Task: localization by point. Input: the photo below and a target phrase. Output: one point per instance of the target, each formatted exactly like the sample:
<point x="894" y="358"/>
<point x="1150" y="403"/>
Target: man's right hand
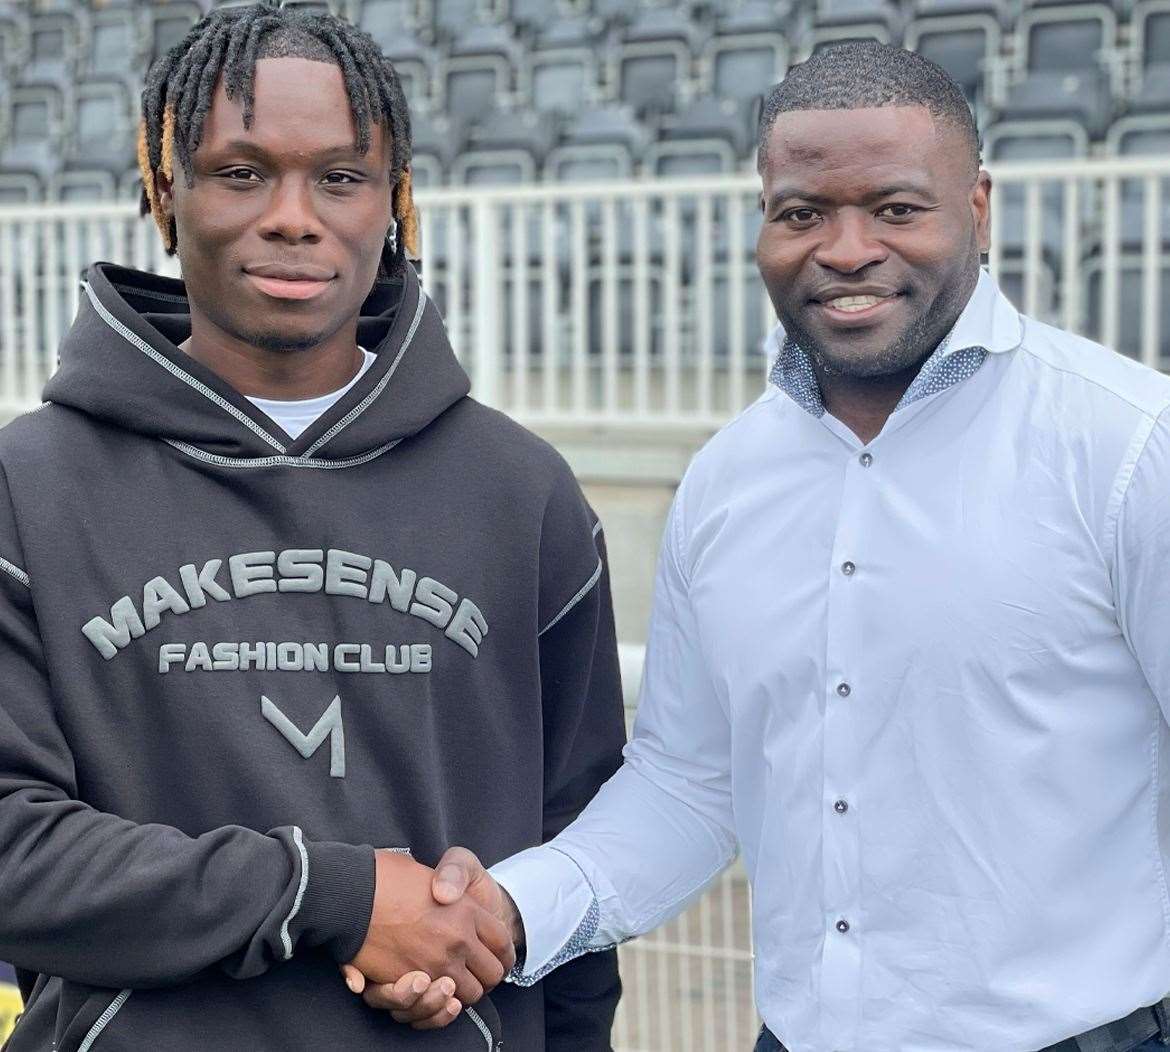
<point x="410" y="931"/>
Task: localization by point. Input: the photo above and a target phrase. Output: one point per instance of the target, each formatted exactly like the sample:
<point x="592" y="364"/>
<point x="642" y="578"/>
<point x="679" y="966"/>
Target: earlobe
<point x="163" y="190"/>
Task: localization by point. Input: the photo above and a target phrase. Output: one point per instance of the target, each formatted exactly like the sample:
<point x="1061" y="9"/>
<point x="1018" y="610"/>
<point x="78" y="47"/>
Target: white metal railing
<point x="639" y="303"/>
<point x="688" y="987"/>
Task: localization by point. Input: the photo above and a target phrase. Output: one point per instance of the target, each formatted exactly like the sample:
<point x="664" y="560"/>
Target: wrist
<point x="512" y="918"/>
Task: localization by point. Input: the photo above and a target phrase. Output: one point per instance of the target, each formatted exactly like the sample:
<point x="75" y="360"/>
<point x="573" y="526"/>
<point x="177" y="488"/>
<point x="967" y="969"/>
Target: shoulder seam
<point x="1120" y="396"/>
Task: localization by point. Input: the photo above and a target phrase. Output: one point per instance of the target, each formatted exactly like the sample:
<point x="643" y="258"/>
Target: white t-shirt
<point x="294" y="416"/>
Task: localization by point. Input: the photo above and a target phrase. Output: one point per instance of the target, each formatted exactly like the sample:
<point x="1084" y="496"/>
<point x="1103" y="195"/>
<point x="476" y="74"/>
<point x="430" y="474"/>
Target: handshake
<point x="438" y="939"/>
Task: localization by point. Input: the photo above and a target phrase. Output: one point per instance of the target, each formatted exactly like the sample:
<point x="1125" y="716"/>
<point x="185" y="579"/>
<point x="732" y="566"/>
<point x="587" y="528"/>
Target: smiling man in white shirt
<point x="909" y="644"/>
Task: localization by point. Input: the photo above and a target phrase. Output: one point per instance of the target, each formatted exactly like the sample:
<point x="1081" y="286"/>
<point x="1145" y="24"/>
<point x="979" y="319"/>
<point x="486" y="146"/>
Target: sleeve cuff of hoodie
<point x="338" y="897"/>
<point x="555" y="903"/>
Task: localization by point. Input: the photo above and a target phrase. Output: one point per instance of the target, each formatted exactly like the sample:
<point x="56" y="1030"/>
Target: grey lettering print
<point x="329" y="726"/>
<point x="294" y="570"/>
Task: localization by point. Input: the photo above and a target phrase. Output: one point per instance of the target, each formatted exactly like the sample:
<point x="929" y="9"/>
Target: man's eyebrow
<point x="892" y="190"/>
<point x="252" y="148"/>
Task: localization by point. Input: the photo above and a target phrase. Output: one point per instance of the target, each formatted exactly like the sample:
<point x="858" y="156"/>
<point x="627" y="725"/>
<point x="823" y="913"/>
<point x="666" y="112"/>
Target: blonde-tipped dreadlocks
<point x="229" y="41"/>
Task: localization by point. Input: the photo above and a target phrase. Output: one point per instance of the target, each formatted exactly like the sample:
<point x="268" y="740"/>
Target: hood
<point x="121" y="364"/>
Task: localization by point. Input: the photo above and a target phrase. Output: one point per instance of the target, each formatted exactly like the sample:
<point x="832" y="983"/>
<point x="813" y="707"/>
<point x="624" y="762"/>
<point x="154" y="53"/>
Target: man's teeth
<point x="855" y="303"/>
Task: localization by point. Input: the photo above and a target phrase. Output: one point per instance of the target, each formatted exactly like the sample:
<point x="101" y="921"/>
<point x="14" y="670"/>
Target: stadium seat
<point x="451" y="17"/>
<point x="439" y="138"/>
<point x="823" y="37"/>
<point x="861" y="13"/>
<point x="561" y="80"/>
<point x="80" y="185"/>
<point x="589" y="162"/>
<point x="1064" y="71"/>
<point x="1052" y="140"/>
<point x="1004" y="11"/>
<point x="572" y="31"/>
<point x="1151" y="31"/>
<point x="35" y="124"/>
<point x="14" y="38"/>
<point x="690" y="157"/>
<point x="648" y="76"/>
<point x="169" y="24"/>
<point x="536" y="15"/>
<point x="651" y="69"/>
<point x="54" y="38"/>
<point x="493" y="168"/>
<point x="964" y="45"/>
<point x="738" y="17"/>
<point x="742" y="65"/>
<point x="482" y="39"/>
<point x="1147" y="135"/>
<point x="709" y="119"/>
<point x="114" y="41"/>
<point x="21" y="189"/>
<point x="392" y="24"/>
<point x="1150" y="57"/>
<point x="532" y="133"/>
<point x="473" y="87"/>
<point x="1130" y="305"/>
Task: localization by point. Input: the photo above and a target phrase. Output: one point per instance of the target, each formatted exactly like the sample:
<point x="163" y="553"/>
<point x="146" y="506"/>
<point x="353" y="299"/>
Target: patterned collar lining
<point x="793" y="373"/>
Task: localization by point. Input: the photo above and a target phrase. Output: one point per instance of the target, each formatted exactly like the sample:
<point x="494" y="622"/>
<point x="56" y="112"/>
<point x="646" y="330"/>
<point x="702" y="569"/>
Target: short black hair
<point x="866" y="73"/>
<point x="180" y="86"/>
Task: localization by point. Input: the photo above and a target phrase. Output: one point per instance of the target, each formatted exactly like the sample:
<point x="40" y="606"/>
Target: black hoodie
<point x="232" y="661"/>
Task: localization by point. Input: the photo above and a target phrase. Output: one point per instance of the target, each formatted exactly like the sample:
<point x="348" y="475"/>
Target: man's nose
<point x="291" y="215"/>
<point x="849" y="244"/>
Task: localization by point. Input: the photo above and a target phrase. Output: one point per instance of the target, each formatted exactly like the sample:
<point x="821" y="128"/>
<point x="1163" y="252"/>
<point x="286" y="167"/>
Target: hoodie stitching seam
<point x="365" y="403"/>
<point x="136" y="341"/>
<point x="15" y="571"/>
<point x="584" y="591"/>
<point x="281" y="461"/>
<point x="104" y="1020"/>
<point x="483" y="1027"/>
<point x="285" y="938"/>
<point x="129" y="290"/>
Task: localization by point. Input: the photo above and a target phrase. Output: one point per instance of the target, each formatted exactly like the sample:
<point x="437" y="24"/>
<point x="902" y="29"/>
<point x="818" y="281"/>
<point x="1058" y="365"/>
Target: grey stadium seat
<point x="114" y="42"/>
<point x="1147" y="135"/>
<point x="35" y="123"/>
<point x="169" y="24"/>
<point x="742" y="65"/>
<point x="710" y="119"/>
<point x="963" y="45"/>
<point x="1151" y="34"/>
<point x="561" y="80"/>
<point x="54" y="38"/>
<point x="1033" y="141"/>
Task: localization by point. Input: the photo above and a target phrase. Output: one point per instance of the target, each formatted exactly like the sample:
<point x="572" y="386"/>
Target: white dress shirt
<point x="922" y="685"/>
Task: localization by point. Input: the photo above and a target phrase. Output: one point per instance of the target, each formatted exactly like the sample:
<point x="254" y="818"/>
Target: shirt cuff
<point x="555" y="903"/>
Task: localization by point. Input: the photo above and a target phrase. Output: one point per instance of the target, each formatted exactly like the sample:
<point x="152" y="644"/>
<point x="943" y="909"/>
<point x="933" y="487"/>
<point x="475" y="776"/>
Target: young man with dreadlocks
<point x="283" y="612"/>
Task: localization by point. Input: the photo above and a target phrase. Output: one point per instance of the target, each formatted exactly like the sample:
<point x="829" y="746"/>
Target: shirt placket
<point x="842" y="805"/>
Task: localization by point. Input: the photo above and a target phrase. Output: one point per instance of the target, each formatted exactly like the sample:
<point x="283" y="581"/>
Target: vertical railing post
<point x="487" y="359"/>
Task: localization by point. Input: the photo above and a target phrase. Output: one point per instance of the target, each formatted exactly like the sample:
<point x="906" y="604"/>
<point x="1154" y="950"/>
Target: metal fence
<point x="688" y="986"/>
<point x="638" y="303"/>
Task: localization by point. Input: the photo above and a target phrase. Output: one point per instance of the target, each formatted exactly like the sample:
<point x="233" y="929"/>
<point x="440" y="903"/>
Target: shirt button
<point x="841" y="807"/>
<point x="842" y="926"/>
<point x="866" y="459"/>
<point x="844" y="689"/>
<point x="848" y="569"/>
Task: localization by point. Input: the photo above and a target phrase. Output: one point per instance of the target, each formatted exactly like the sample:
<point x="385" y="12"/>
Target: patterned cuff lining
<point x="577" y="945"/>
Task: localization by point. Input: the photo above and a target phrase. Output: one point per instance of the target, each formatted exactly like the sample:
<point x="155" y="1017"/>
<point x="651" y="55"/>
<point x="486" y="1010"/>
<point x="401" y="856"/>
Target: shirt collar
<point x="988" y="324"/>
